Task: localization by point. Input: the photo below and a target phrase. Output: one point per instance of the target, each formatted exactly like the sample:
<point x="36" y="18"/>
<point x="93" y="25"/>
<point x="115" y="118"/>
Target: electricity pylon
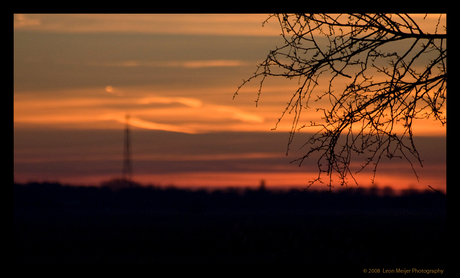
<point x="127" y="166"/>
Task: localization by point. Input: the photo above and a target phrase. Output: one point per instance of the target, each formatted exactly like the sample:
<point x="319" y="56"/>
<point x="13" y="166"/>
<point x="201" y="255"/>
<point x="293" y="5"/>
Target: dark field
<point x="352" y="230"/>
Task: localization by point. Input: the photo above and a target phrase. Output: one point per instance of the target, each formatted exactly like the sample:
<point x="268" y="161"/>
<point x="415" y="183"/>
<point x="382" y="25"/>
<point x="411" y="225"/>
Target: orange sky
<point x="172" y="73"/>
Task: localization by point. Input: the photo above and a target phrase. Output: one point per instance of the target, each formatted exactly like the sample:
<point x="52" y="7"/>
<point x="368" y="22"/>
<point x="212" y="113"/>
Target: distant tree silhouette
<point x="118" y="184"/>
<point x="388" y="69"/>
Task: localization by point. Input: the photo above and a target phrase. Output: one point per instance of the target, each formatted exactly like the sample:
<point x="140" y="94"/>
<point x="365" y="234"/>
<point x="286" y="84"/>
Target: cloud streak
<point x="190" y="102"/>
<point x="157" y="126"/>
<point x="212" y="63"/>
<point x="106" y="108"/>
<point x="237" y="114"/>
<point x="144" y="124"/>
<point x="111" y="90"/>
<point x="190" y="64"/>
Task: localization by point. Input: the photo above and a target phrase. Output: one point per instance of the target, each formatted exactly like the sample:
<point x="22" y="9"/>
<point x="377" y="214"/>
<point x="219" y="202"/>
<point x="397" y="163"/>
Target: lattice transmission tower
<point x="127" y="165"/>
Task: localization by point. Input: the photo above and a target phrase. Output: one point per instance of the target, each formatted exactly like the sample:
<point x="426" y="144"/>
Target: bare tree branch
<point x="386" y="87"/>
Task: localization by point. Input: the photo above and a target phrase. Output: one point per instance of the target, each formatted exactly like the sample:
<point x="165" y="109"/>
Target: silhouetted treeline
<point x="54" y="195"/>
<point x="318" y="231"/>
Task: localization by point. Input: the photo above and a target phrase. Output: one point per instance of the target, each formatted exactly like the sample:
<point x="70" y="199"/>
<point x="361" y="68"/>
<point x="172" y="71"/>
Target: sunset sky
<point x="77" y="76"/>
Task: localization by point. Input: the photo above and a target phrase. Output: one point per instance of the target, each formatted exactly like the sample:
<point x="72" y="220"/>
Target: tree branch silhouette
<point x="391" y="71"/>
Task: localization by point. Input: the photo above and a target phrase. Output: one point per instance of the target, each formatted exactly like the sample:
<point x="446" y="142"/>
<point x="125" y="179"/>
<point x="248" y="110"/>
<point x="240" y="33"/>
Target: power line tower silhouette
<point x="127" y="166"/>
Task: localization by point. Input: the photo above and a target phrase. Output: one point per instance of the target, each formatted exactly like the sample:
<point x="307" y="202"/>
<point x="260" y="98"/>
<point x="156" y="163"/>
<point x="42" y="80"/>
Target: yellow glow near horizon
<point x="277" y="181"/>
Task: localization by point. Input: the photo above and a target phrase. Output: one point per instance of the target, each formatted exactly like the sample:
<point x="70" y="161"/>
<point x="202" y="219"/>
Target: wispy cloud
<point x="208" y="157"/>
<point x="180" y="64"/>
<point x="238" y="114"/>
<point x="140" y="123"/>
<point x="191" y="102"/>
<point x="106" y="108"/>
<point x="113" y="91"/>
<point x="212" y="63"/>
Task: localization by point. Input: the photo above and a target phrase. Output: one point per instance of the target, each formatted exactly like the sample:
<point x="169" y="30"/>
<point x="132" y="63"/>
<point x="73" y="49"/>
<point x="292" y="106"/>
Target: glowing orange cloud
<point x="136" y="122"/>
<point x="191" y="102"/>
<point x="238" y="114"/>
<point x="212" y="63"/>
<point x="180" y="64"/>
<point x="111" y="90"/>
<point x="106" y="108"/>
